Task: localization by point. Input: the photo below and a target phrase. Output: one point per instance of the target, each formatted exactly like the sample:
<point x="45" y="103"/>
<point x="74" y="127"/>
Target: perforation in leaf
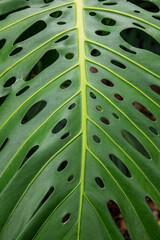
<point x="66" y="218"/>
<point x="155" y="88"/>
<point x="110" y="3"/>
<point x="4" y="144"/>
<point x="62" y="166"/>
<point x="96" y="139"/>
<point x="59" y="126"/>
<point x="127" y="50"/>
<point x="107" y="82"/>
<point x="4" y="16"/>
<point x="22" y="91"/>
<point x="142" y="39"/>
<point x="153" y="208"/>
<point x="118" y="218"/>
<point x="144" y="111"/>
<point x="102" y="33"/>
<point x="62" y="39"/>
<point x="2" y="99"/>
<point x="16" y="51"/>
<point x="65" y="136"/>
<point x="44" y="200"/>
<point x="9" y="82"/>
<point x="108" y="21"/>
<point x="44" y="62"/>
<point x="153" y="130"/>
<point x="29" y="154"/>
<point x="118" y="64"/>
<point x="120" y="165"/>
<point x="31" y="31"/>
<point x="2" y="42"/>
<point x="135" y="143"/>
<point x="70" y="178"/>
<point x="56" y="14"/>
<point x="147" y="5"/>
<point x="99" y="182"/>
<point x="33" y="111"/>
<point x="65" y="84"/>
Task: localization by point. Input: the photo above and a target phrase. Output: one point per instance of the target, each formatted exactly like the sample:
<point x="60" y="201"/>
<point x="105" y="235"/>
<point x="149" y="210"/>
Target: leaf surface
<point x="79" y="119"/>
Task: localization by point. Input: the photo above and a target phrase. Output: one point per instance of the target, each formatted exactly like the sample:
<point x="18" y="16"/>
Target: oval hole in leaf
<point x="62" y="166"/>
<point x="93" y="70"/>
<point x="2" y="99"/>
<point x="65" y="135"/>
<point x="15" y="51"/>
<point x="102" y="33"/>
<point x="154" y="209"/>
<point x="119" y="97"/>
<point x="149" y="6"/>
<point x="73" y="105"/>
<point x="46" y="197"/>
<point x="92" y="95"/>
<point x="66" y="218"/>
<point x="144" y="111"/>
<point x="107" y="82"/>
<point x="4" y="144"/>
<point x="9" y="82"/>
<point x="105" y="120"/>
<point x="155" y="88"/>
<point x="3" y="16"/>
<point x="2" y="42"/>
<point x="120" y="165"/>
<point x="118" y="218"/>
<point x="56" y="14"/>
<point x="127" y="50"/>
<point x="69" y="56"/>
<point x="115" y="115"/>
<point x="95" y="53"/>
<point x="96" y="139"/>
<point x="62" y="39"/>
<point x="110" y="4"/>
<point x="61" y="23"/>
<point x="60" y="125"/>
<point x="33" y="111"/>
<point x="45" y="61"/>
<point x="92" y="13"/>
<point x="118" y="64"/>
<point x="70" y="178"/>
<point x="156" y="17"/>
<point x="29" y="154"/>
<point x="108" y="22"/>
<point x="133" y="141"/>
<point x="65" y="84"/>
<point x="143" y="40"/>
<point x="99" y="182"/>
<point x="22" y="91"/>
<point x="153" y="130"/>
<point x="138" y="25"/>
<point x="31" y="31"/>
<point x="99" y="108"/>
<point x="48" y="1"/>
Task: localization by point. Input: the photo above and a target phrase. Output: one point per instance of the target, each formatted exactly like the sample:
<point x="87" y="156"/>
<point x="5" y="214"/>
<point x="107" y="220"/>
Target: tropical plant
<point x="79" y="117"/>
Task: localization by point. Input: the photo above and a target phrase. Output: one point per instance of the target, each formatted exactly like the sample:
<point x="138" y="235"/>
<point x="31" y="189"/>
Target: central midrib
<point x="82" y="54"/>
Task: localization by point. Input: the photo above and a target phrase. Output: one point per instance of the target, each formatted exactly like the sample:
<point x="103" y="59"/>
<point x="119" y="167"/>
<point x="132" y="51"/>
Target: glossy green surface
<point x="84" y="92"/>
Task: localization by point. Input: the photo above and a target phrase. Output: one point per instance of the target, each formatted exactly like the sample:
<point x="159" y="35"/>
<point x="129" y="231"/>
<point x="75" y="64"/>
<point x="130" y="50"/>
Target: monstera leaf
<point x="79" y="119"/>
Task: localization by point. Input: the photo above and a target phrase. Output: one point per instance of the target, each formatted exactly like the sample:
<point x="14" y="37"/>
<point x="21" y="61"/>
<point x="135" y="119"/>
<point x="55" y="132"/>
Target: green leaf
<point x="79" y="119"/>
